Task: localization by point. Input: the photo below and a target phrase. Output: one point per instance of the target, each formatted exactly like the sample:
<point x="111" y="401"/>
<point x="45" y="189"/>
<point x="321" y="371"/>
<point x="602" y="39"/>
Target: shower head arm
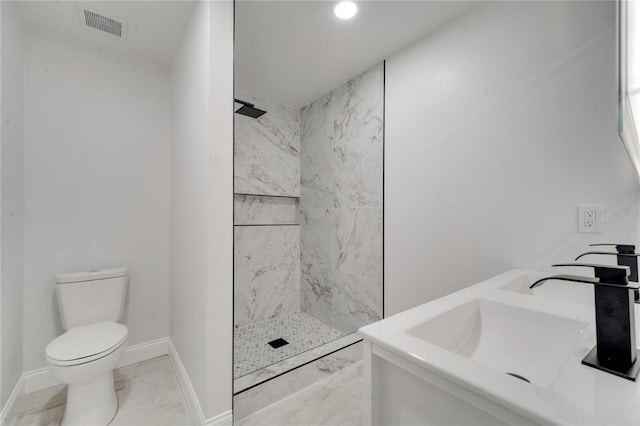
<point x="244" y="103"/>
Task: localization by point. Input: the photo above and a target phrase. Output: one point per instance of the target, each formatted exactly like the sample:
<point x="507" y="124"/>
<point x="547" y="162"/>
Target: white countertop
<point x="579" y="394"/>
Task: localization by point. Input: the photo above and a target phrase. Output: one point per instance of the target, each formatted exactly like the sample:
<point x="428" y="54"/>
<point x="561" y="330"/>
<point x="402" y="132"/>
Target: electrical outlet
<point x="590" y="218"/>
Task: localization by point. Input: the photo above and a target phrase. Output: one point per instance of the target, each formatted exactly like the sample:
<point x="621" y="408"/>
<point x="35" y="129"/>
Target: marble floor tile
<point x="336" y="401"/>
<point x="49" y="417"/>
<point x="46" y="399"/>
<point x="148" y="394"/>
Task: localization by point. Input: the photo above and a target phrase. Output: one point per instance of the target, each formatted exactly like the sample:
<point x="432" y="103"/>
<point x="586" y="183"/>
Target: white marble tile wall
<point x="341" y="203"/>
<point x="266" y="272"/>
<point x="357" y="141"/>
<point x="267" y="258"/>
<point x="264" y="210"/>
<point x="358" y="238"/>
<point x="316" y="155"/>
<point x="267" y="150"/>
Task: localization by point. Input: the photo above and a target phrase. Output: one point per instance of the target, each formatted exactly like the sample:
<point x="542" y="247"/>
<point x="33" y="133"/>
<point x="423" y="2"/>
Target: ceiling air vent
<point x="99" y="20"/>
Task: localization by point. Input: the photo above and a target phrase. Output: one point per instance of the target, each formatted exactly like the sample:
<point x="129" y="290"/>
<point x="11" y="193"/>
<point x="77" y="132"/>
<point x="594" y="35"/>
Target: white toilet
<point x="84" y="357"/>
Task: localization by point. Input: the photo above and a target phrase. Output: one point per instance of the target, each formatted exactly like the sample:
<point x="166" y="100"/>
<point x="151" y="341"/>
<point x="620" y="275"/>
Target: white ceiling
<point x="289" y="51"/>
<point x="293" y="52"/>
<point x="154" y="28"/>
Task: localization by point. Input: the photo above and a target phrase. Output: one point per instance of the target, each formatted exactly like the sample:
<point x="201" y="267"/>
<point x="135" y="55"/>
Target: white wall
<point x="189" y="130"/>
<point x="220" y="202"/>
<point x="11" y="203"/>
<point x="97" y="142"/>
<point x="497" y="126"/>
<point x="202" y="204"/>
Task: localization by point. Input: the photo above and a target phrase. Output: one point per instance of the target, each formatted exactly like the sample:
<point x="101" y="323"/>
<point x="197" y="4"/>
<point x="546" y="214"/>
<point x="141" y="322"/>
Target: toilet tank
<point x="90" y="297"/>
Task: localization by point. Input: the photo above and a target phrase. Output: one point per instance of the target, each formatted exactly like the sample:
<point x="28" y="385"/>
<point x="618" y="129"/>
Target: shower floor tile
<point x="302" y="331"/>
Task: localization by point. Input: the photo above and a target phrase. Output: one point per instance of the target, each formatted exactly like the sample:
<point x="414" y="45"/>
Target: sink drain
<point x="517" y="376"/>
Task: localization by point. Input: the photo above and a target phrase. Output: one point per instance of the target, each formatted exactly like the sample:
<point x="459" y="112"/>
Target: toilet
<point x="85" y="355"/>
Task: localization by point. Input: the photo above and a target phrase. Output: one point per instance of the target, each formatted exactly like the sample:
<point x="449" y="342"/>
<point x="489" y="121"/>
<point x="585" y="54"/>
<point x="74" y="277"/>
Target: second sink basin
<point x="521" y="342"/>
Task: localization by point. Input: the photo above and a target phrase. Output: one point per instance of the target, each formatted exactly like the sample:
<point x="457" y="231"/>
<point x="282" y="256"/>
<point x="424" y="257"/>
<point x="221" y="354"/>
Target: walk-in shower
<point x="308" y="227"/>
<point x="308" y="217"/>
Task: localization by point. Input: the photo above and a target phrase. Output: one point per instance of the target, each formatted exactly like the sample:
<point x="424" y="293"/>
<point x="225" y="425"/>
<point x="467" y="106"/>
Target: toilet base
<point x="92" y="403"/>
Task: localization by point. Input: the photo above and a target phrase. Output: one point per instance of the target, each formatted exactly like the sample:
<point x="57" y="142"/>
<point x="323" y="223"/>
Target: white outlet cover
<point x="590" y="218"/>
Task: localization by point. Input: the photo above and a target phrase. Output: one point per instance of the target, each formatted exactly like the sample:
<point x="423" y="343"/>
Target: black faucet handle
<point x="620" y="248"/>
<point x="606" y="274"/>
<point x="610" y="253"/>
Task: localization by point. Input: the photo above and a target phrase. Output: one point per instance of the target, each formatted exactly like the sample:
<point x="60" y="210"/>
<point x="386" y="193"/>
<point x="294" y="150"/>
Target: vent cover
<point x="99" y="20"/>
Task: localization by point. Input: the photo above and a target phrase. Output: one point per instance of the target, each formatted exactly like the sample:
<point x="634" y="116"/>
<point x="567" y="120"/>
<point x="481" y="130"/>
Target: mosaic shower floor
<point x="302" y="332"/>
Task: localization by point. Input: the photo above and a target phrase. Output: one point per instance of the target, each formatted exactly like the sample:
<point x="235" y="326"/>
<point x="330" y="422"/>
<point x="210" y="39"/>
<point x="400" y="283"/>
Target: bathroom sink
<point x="527" y="344"/>
<point x="563" y="291"/>
<point x="459" y="350"/>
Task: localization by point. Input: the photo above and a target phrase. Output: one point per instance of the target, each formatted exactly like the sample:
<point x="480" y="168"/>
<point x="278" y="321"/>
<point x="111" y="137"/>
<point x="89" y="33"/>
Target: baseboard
<point x="191" y="398"/>
<point x="9" y="409"/>
<point x="41" y="379"/>
<point x="144" y="351"/>
<point x="224" y="419"/>
<point x="36" y="380"/>
<point x="188" y="392"/>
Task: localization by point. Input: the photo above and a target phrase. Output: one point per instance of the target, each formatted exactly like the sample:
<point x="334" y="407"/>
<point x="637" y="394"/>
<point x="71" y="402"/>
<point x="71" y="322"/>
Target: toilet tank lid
<point x="91" y="275"/>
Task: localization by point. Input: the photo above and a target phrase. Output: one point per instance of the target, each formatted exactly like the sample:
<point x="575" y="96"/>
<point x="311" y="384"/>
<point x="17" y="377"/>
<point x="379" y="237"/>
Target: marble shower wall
<point x="267" y="150"/>
<point x="341" y="203"/>
<point x="267" y="258"/>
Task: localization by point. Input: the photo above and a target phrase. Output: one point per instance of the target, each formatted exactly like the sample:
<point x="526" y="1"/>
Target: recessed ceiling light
<point x="345" y="10"/>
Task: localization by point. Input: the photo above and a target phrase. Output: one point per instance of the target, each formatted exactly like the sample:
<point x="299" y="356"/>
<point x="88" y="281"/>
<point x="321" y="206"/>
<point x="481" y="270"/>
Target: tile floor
<point x="148" y="394"/>
<point x="334" y="401"/>
<point x="301" y="330"/>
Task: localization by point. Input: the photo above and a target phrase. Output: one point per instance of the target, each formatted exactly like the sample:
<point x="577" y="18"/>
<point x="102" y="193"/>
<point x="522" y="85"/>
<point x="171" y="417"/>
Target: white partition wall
<point x="202" y="206"/>
<point x="220" y="277"/>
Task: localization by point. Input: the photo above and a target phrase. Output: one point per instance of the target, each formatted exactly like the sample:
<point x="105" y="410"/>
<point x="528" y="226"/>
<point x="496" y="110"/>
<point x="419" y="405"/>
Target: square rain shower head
<point x="249" y="109"/>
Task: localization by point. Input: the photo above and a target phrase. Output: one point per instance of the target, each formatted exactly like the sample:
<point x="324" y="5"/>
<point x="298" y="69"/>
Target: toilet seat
<point x="88" y="343"/>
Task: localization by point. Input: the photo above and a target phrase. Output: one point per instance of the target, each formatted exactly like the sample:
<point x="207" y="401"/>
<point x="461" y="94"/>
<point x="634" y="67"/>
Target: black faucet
<point x="615" y="351"/>
<point x="626" y="256"/>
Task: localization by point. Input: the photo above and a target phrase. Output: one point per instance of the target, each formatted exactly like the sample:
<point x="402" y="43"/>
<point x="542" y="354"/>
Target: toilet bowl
<point x="84" y="359"/>
<point x="85" y="355"/>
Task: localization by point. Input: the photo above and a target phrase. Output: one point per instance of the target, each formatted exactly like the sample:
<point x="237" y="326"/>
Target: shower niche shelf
<point x="266" y="210"/>
<point x="242" y="194"/>
<point x="268" y="224"/>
